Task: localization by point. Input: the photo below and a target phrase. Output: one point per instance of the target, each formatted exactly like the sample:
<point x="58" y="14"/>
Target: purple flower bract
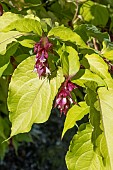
<point x="64" y="98"/>
<point x="41" y="50"/>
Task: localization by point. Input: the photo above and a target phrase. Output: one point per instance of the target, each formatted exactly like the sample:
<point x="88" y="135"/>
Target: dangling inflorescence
<point x="64" y="98"/>
<point x="41" y="50"/>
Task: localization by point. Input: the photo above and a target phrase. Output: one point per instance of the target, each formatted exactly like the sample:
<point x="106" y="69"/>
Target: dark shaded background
<point x="46" y="152"/>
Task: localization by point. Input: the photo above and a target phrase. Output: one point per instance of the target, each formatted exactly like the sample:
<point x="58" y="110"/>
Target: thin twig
<point x="76" y="13"/>
<point x="95" y="44"/>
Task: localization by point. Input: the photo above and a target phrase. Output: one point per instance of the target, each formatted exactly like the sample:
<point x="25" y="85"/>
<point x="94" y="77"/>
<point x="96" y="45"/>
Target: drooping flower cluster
<point x="64" y="97"/>
<point x="41" y="50"/>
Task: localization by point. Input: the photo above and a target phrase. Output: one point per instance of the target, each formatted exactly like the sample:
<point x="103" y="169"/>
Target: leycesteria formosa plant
<point x="63" y="99"/>
<point x="70" y="68"/>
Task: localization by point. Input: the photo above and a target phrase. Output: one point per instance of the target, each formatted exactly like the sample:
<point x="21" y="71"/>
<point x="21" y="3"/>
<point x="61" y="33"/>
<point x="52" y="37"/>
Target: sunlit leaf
<point x="74" y="114"/>
<point x="81" y="155"/>
<point x="94" y="13"/>
<point x="27" y="43"/>
<point x="8" y="18"/>
<point x="66" y="34"/>
<point x="70" y="61"/>
<point x="25" y="25"/>
<point x="106" y="107"/>
<point x="84" y="76"/>
<point x="30" y="98"/>
<point x="98" y="65"/>
<point x="7" y="38"/>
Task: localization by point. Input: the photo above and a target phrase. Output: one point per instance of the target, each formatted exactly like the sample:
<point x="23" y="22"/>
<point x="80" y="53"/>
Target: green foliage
<point x="8" y="18"/>
<point x="87" y="31"/>
<point x="69" y="55"/>
<point x="25" y="25"/>
<point x="81" y="154"/>
<point x="107" y="50"/>
<point x="67" y="34"/>
<point x="5" y="59"/>
<point x="74" y="114"/>
<point x="77" y="50"/>
<point x="94" y="13"/>
<point x="106" y="109"/>
<point x="85" y="76"/>
<point x="27" y="96"/>
<point x="7" y="38"/>
<point x="97" y="65"/>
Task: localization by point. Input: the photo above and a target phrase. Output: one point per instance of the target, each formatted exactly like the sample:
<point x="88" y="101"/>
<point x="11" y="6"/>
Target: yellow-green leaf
<point x="30" y="99"/>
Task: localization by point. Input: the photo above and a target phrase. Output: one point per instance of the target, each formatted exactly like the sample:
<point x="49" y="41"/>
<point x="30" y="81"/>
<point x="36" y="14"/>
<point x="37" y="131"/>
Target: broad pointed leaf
<point x="106" y="107"/>
<point x="98" y="138"/>
<point x="30" y="98"/>
<point x="8" y="18"/>
<point x="70" y="61"/>
<point x="7" y="38"/>
<point x="81" y="155"/>
<point x="27" y="43"/>
<point x="25" y="25"/>
<point x="67" y="34"/>
<point x="74" y="114"/>
<point x="98" y="66"/>
<point x="85" y="75"/>
<point x="94" y="13"/>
